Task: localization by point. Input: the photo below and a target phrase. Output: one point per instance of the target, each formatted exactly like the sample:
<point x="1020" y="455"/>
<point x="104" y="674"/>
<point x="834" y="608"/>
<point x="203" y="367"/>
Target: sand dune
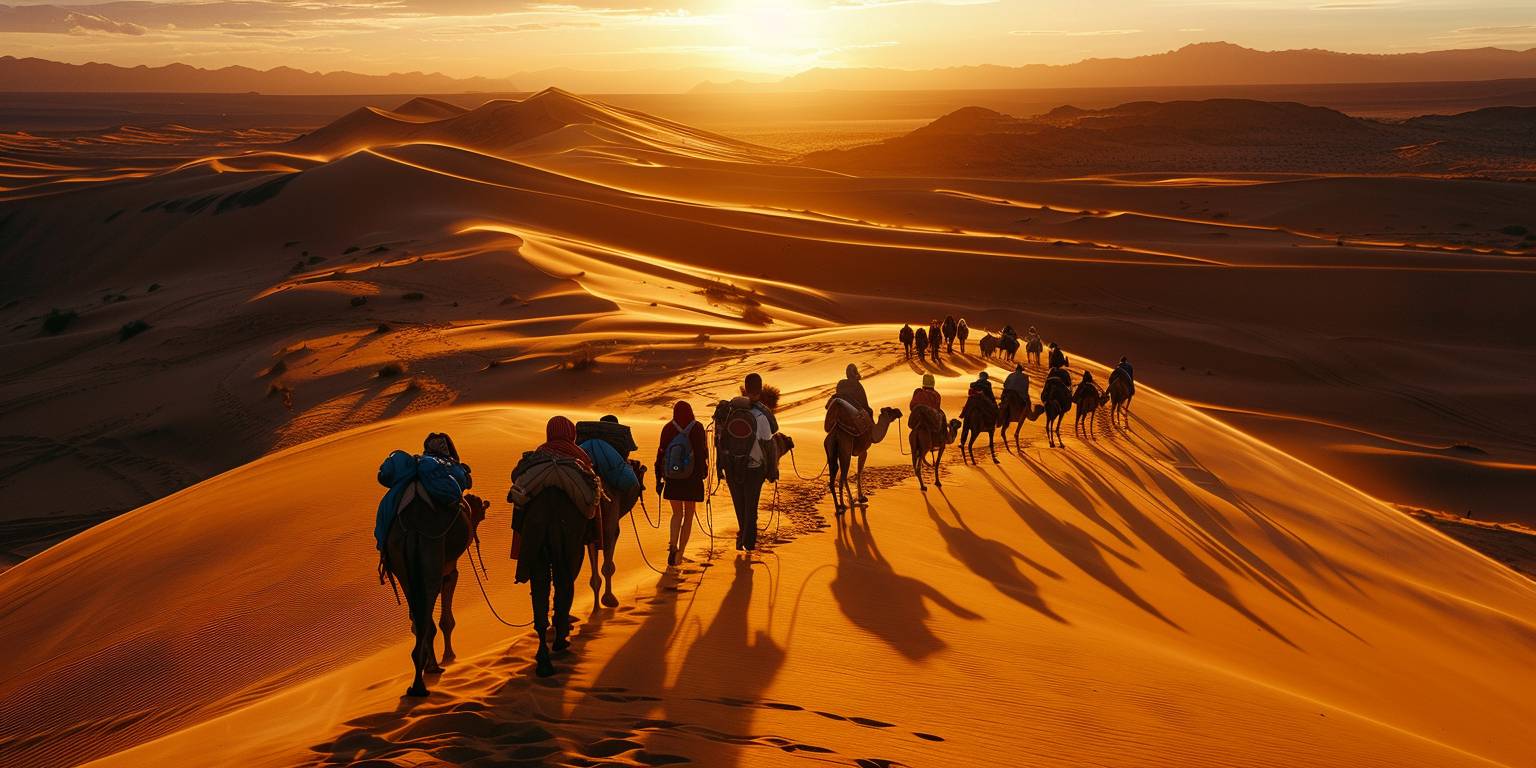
<point x="227" y="343"/>
<point x="1163" y="590"/>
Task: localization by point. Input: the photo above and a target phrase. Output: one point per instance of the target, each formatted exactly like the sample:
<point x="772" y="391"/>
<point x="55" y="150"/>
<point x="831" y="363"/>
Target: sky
<point x="498" y="38"/>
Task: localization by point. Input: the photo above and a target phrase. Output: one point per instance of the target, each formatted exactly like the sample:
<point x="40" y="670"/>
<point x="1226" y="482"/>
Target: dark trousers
<point x="746" y="489"/>
<point x="560" y="574"/>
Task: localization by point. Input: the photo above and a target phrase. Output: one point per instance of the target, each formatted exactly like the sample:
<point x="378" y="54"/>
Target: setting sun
<point x="773" y="35"/>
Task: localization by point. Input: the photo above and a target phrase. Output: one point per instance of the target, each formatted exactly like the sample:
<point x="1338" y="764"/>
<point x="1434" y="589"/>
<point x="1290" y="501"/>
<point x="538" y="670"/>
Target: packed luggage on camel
<point x="424" y="523"/>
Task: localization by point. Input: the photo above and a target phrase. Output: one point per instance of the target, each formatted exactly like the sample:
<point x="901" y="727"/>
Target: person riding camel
<point x="609" y="444"/>
<point x="1085" y="386"/>
<point x="921" y="342"/>
<point x="980" y="396"/>
<point x="1125" y="365"/>
<point x="927" y="406"/>
<point x="951" y="328"/>
<point x="962" y="332"/>
<point x="1057" y="358"/>
<point x="935" y="340"/>
<point x="442" y="476"/>
<point x="1017" y="384"/>
<point x="1031" y="335"/>
<point x="555" y="495"/>
<point x="906" y="338"/>
<point x="850" y="388"/>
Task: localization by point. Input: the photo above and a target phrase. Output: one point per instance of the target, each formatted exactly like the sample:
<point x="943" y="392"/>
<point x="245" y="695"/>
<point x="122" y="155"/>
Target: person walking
<point x="746" y="455"/>
<point x="682" y="469"/>
<point x="554" y="495"/>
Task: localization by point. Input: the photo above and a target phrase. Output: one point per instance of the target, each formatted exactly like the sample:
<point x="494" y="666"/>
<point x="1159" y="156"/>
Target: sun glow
<point x="774" y="35"/>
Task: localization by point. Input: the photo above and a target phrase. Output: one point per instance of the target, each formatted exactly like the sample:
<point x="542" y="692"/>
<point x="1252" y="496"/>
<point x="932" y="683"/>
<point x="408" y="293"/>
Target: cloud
<point x="1069" y="33"/>
<point x="53" y="19"/>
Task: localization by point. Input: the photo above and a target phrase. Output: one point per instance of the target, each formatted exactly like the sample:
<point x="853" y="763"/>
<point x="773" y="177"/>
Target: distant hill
<point x="40" y="75"/>
<point x="1214" y="135"/>
<point x="35" y="75"/>
<point x="1216" y="63"/>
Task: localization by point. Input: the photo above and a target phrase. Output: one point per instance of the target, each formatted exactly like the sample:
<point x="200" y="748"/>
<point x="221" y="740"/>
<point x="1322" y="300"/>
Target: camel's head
<point x="890" y="414"/>
<point x="954" y="429"/>
<point x="477" y="507"/>
<point x="784" y="443"/>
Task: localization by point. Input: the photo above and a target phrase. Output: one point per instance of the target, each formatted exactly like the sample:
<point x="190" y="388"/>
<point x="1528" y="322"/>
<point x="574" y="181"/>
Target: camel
<point x="1056" y="396"/>
<point x="929" y="435"/>
<point x="976" y="421"/>
<point x="1016" y="409"/>
<point x="1008" y="346"/>
<point x="850" y="434"/>
<point x="422" y="553"/>
<point x="988" y="345"/>
<point x="1087" y="400"/>
<point x="609" y="521"/>
<point x="1033" y="349"/>
<point x="1121" y="390"/>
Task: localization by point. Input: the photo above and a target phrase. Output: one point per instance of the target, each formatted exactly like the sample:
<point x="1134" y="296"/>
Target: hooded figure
<point x="551" y="517"/>
<point x="1057" y="358"/>
<point x="1125" y="365"/>
<point x="983" y="385"/>
<point x="1084" y="386"/>
<point x="906" y="337"/>
<point x="935" y="340"/>
<point x="851" y="388"/>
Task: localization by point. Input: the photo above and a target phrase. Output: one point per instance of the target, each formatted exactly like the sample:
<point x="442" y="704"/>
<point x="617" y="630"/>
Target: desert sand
<point x="1224" y="583"/>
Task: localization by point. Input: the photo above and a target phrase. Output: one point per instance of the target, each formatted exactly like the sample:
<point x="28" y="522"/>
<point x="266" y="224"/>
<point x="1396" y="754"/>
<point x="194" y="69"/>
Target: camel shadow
<point x="1195" y="570"/>
<point x="993" y="560"/>
<point x="1077" y="545"/>
<point x="1214" y="535"/>
<point x="880" y="601"/>
<point x="1294" y="546"/>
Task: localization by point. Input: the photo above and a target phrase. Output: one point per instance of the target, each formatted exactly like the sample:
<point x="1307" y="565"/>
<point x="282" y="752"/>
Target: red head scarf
<point x="560" y="438"/>
<point x="682" y="415"/>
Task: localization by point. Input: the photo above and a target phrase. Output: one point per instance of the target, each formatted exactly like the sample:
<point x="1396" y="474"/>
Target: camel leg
<point x="610" y="543"/>
<point x="936" y="461"/>
<point x="917" y="460"/>
<point x="993" y="449"/>
<point x="596" y="579"/>
<point x="446" y="622"/>
<point x="861" y="497"/>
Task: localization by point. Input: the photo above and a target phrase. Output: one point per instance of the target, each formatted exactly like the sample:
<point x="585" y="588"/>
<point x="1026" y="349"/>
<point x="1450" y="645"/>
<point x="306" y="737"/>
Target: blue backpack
<point x="678" y="457"/>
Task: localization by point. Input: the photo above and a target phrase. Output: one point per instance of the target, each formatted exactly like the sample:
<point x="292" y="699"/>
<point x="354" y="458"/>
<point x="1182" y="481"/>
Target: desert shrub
<point x="131" y="329"/>
<point x="57" y="320"/>
<point x="391" y="369"/>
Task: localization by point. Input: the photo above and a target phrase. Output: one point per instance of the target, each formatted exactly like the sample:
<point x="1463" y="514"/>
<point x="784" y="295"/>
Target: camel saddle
<point x="929" y="419"/>
<point x="848" y="418"/>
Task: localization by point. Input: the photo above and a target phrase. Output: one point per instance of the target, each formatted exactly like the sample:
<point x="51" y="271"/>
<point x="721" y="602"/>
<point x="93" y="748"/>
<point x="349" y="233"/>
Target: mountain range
<point x="1215" y="63"/>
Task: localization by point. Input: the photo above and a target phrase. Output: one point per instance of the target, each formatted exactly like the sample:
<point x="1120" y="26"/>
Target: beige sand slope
<point x="1376" y="327"/>
<point x="1178" y="594"/>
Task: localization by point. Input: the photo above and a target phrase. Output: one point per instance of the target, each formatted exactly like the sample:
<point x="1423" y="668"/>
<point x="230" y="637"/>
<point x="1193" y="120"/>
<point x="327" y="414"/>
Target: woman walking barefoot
<point x="682" y="468"/>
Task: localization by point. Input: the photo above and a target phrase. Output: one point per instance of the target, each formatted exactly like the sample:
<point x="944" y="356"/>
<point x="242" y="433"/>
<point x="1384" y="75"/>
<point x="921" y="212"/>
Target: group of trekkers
<point x="927" y="342"/>
<point x="570" y="494"/>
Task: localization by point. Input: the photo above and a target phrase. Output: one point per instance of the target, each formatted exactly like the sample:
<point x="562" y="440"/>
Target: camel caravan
<point x="570" y="495"/>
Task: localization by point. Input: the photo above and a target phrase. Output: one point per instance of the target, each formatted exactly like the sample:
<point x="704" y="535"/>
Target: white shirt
<point x="764" y="433"/>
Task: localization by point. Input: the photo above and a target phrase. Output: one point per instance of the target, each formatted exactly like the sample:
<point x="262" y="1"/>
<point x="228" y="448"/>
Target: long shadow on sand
<point x="880" y="601"/>
<point x="993" y="560"/>
<point x="1075" y="544"/>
